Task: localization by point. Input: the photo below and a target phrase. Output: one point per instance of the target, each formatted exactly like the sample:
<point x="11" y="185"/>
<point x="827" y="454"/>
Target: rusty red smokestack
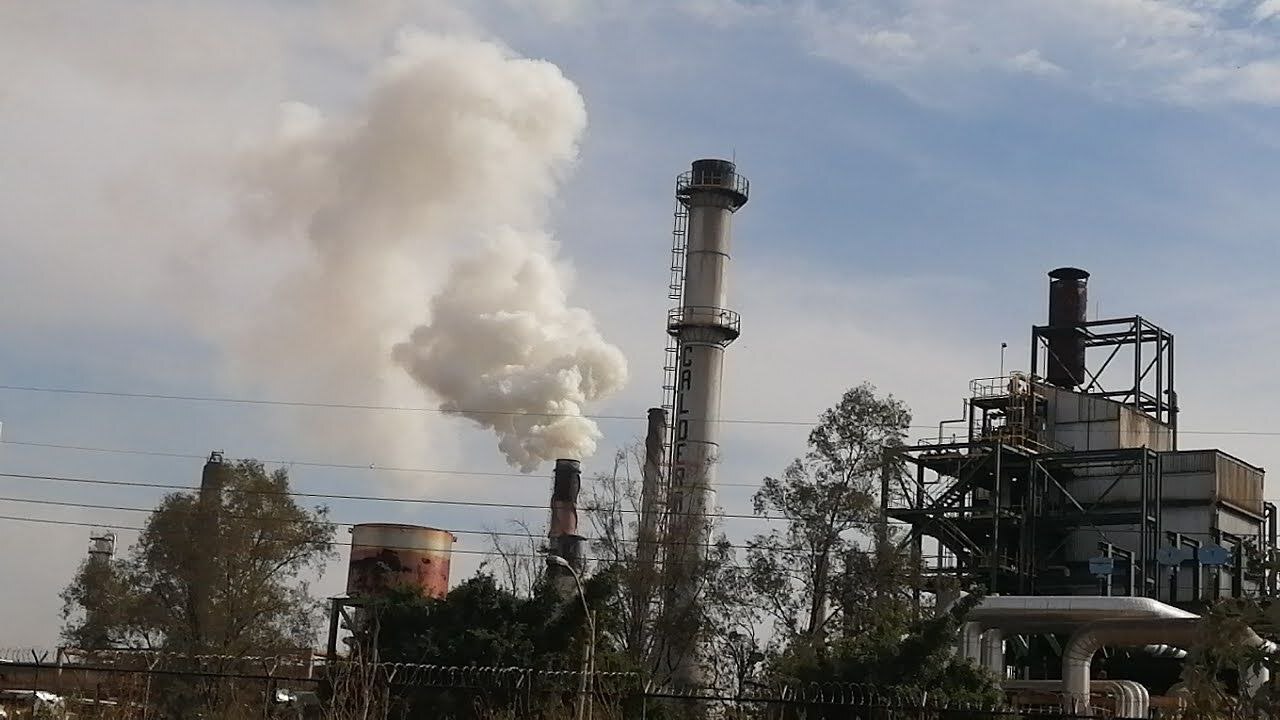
<point x="564" y="538"/>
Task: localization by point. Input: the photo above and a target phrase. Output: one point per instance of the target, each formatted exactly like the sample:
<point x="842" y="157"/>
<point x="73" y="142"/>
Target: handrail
<point x="703" y="316"/>
<point x="709" y="180"/>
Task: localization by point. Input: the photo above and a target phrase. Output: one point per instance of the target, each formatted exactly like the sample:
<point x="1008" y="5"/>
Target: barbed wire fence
<point x="143" y="684"/>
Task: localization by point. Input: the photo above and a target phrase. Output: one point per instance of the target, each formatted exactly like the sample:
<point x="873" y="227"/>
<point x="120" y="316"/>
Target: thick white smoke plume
<point x="438" y="187"/>
<point x="503" y="338"/>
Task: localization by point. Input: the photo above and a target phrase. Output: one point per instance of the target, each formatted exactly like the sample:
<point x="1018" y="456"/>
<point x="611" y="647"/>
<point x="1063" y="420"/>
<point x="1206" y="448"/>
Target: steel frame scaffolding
<point x="1152" y="389"/>
<point x="1003" y="514"/>
<point x="1004" y="502"/>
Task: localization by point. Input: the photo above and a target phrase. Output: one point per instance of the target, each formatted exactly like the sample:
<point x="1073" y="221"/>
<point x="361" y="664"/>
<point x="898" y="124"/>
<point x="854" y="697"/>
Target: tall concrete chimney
<point x="563" y="536"/>
<point x="647" y="545"/>
<point x="207" y="523"/>
<point x="703" y="326"/>
<point x="651" y="490"/>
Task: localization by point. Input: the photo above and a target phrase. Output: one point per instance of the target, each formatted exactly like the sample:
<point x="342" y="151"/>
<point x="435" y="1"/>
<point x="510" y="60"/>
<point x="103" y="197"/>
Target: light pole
<point x="589" y="647"/>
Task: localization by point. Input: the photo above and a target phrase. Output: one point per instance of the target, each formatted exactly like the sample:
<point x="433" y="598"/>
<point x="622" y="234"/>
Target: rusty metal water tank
<point x="387" y="556"/>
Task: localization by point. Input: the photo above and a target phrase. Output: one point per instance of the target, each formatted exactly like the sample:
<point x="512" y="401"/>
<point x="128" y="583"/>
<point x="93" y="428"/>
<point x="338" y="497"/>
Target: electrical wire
<point x="490" y="533"/>
<point x="469" y="411"/>
<point x="498" y="552"/>
<point x="268" y="518"/>
<point x="357" y="406"/>
<point x="377" y="498"/>
<point x="317" y="543"/>
<point x="303" y="463"/>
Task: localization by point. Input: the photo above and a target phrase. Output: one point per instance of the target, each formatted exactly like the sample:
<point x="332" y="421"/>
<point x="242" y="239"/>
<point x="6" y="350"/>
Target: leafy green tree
<point x="221" y="572"/>
<point x="1215" y="676"/>
<point x="918" y="667"/>
<point x="255" y="560"/>
<point x="481" y="624"/>
<point x="723" y="627"/>
<point x="830" y="502"/>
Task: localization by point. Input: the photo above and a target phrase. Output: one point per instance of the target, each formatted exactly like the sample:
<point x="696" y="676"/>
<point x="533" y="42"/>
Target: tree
<point x="220" y="572"/>
<point x="1217" y="669"/>
<point x="917" y="667"/>
<point x="725" y="628"/>
<point x="481" y="624"/>
<point x="829" y="499"/>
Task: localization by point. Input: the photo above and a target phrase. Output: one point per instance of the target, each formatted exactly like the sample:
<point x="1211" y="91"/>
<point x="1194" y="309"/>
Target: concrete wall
<point x="1082" y="422"/>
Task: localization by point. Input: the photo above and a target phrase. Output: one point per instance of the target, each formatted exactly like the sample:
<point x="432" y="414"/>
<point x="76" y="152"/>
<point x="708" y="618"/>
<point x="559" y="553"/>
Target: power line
<point x="267" y="518"/>
<point x="267" y="461"/>
<point x="317" y="543"/>
<point x="359" y="406"/>
<point x="472" y="411"/>
<point x="264" y="518"/>
<point x="489" y="533"/>
<point x="452" y="551"/>
<point x="335" y="496"/>
<point x="483" y="553"/>
<point x="302" y="463"/>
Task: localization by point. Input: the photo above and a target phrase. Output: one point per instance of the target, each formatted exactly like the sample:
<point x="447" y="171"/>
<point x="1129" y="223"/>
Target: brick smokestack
<point x="563" y="536"/>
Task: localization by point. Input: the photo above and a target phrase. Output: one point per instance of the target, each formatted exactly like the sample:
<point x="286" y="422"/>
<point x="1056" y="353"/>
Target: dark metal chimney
<point x="1068" y="303"/>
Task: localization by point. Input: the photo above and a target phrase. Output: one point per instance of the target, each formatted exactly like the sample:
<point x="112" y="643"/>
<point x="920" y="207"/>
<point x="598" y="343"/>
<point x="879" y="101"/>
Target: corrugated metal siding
<point x="1235" y="524"/>
<point x="1189" y="486"/>
<point x="1188" y="461"/>
<point x="1192" y="521"/>
<point x="1240" y="484"/>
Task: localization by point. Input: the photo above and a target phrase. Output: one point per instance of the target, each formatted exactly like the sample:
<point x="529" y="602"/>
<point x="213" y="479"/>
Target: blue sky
<point x="916" y="167"/>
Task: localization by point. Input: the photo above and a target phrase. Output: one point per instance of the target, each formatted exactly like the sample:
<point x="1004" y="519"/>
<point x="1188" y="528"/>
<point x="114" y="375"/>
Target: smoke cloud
<point x="423" y="214"/>
<point x="503" y="338"/>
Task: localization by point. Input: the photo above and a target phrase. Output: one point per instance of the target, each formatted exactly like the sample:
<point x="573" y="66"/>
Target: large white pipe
<point x="703" y="327"/>
<point x="993" y="652"/>
<point x="1133" y="700"/>
<point x="1077" y="657"/>
<point x="1065" y="612"/>
<point x="1051" y="613"/>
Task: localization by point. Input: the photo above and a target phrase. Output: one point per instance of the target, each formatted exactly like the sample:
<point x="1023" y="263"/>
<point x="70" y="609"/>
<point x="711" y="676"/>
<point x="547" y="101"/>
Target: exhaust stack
<point x="208" y="522"/>
<point x="564" y="539"/>
<point x="1068" y="303"/>
<point x="702" y="326"/>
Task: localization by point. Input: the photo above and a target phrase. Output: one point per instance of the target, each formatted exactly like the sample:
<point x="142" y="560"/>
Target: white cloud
<point x="943" y="52"/>
<point x="1033" y="63"/>
<point x="725" y="13"/>
<point x="1251" y="82"/>
<point x="1266" y="10"/>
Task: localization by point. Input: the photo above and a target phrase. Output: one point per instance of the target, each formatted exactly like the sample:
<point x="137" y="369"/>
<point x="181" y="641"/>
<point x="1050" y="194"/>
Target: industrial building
<point x="1055" y="483"/>
<point x="1064" y="490"/>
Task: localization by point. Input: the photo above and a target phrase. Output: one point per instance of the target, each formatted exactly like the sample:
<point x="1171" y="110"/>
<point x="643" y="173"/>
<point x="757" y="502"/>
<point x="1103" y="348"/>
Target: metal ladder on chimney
<point x="670" y="367"/>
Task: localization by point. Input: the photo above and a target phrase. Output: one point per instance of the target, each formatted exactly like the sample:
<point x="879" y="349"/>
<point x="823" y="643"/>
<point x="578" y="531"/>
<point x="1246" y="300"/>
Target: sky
<point x="916" y="168"/>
